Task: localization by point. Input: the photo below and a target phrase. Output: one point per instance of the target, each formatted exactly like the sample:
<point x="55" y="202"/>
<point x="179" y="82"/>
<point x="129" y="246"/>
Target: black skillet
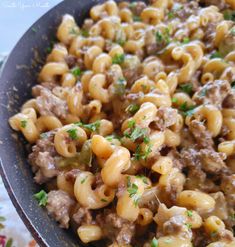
<point x="18" y="75"/>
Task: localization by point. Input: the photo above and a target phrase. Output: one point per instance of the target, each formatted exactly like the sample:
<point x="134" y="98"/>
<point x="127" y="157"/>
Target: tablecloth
<point x="13" y="232"/>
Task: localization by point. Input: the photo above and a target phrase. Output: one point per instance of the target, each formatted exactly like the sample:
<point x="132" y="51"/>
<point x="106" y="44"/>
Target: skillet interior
<point x="18" y="75"/>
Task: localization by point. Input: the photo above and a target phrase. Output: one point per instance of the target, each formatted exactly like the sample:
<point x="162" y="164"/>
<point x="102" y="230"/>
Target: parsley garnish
<point x="187" y="88"/>
<point x="187" y="110"/>
<point x="139" y="154"/>
<point x="120" y="87"/>
<point x="136" y="132"/>
<point x="23" y="123"/>
<point x="186" y="40"/>
<point x="44" y="135"/>
<point x="203" y="92"/>
<point x="111" y="137"/>
<point x="132" y="108"/>
<point x="103" y="200"/>
<point x="154" y="242"/>
<point x="76" y="71"/>
<point x="189" y="225"/>
<point x="72" y="134"/>
<point x="232" y="216"/>
<point x="92" y="126"/>
<point x="144" y="179"/>
<point x="215" y="54"/>
<point x="232" y="32"/>
<point x="84" y="33"/>
<point x="163" y="36"/>
<point x="171" y="15"/>
<point x="121" y="42"/>
<point x="73" y="31"/>
<point x="189" y="213"/>
<point x="174" y="100"/>
<point x="229" y="15"/>
<point x="83" y="180"/>
<point x="136" y="18"/>
<point x="132" y="189"/>
<point x="183" y="107"/>
<point x="131" y="123"/>
<point x="118" y="59"/>
<point x="41" y="197"/>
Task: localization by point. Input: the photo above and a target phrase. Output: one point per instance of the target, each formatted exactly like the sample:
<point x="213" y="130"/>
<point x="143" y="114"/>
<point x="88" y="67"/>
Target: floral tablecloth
<point x="13" y="232"/>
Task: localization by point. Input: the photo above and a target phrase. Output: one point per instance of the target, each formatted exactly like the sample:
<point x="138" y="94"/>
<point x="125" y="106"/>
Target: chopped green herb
<point x="73" y="31"/>
<point x="232" y="32"/>
<point x="189" y="213"/>
<point x="146" y="139"/>
<point x="189" y="225"/>
<point x="187" y="88"/>
<point x="144" y="179"/>
<point x="118" y="59"/>
<point x="9" y="242"/>
<point x="132" y="5"/>
<point x="121" y="42"/>
<point x="2" y="218"/>
<point x="186" y="40"/>
<point x="111" y="137"/>
<point x="168" y="241"/>
<point x="131" y="123"/>
<point x="154" y="242"/>
<point x="23" y="123"/>
<point x="132" y="108"/>
<point x="136" y="132"/>
<point x="232" y="216"/>
<point x="84" y="33"/>
<point x="103" y="200"/>
<point x="140" y="154"/>
<point x="184" y="107"/>
<point x="174" y="100"/>
<point x="229" y="15"/>
<point x="44" y="135"/>
<point x="215" y="54"/>
<point x="136" y="18"/>
<point x="120" y="87"/>
<point x="83" y="180"/>
<point x="159" y="37"/>
<point x="187" y="110"/>
<point x="76" y="71"/>
<point x="41" y="197"/>
<point x="171" y="15"/>
<point x="203" y="92"/>
<point x="132" y="189"/>
<point x="34" y="29"/>
<point x="72" y="134"/>
<point x="92" y="126"/>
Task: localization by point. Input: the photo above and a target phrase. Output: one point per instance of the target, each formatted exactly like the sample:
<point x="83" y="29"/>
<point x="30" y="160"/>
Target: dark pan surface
<point x="18" y="76"/>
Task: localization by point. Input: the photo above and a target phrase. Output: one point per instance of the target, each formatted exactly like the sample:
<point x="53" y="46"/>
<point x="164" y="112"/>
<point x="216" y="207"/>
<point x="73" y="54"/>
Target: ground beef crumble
<point x="59" y="205"/>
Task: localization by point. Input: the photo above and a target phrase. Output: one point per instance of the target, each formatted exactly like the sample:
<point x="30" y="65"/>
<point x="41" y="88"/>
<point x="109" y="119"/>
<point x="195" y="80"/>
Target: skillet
<point x="18" y="75"/>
